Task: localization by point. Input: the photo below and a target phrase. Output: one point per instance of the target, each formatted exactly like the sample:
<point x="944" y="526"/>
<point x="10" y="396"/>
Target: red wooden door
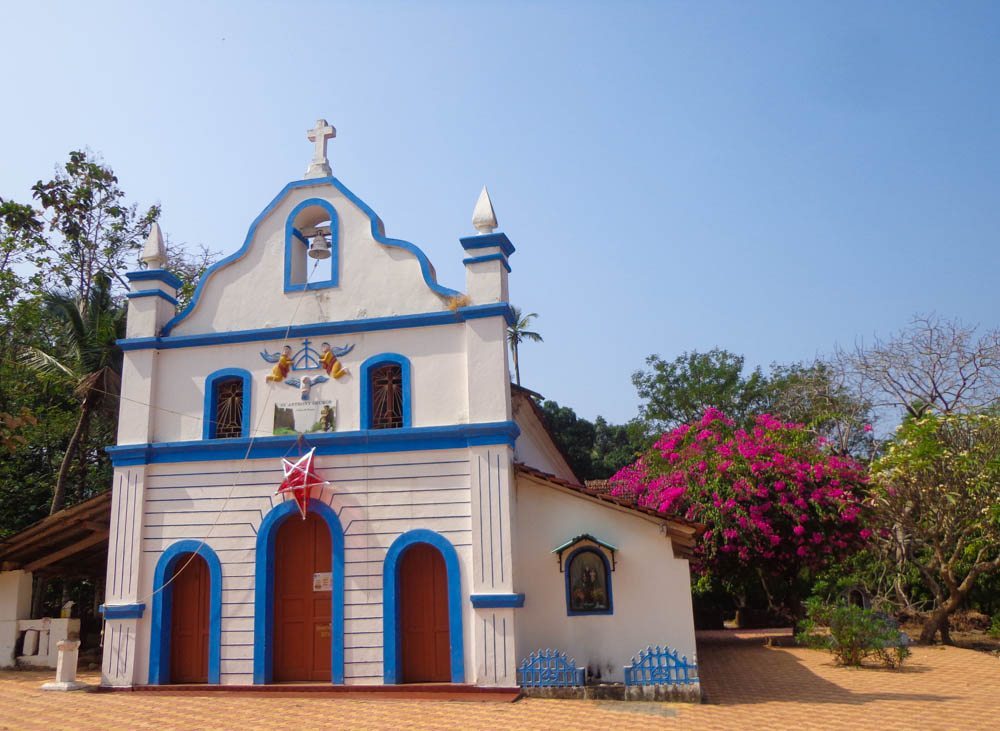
<point x="423" y="616"/>
<point x="189" y="620"/>
<point x="302" y="620"/>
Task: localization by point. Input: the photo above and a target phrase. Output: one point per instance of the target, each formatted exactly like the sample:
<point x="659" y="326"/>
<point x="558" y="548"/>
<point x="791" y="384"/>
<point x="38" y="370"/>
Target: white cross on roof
<point x="320" y="166"/>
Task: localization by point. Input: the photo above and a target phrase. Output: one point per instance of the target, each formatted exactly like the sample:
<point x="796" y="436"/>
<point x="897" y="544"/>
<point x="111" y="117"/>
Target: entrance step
<point x="410" y="692"/>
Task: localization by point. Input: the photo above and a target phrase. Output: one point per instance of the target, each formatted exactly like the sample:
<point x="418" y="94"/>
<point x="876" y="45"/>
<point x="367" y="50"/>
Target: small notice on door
<point x="323" y="581"/>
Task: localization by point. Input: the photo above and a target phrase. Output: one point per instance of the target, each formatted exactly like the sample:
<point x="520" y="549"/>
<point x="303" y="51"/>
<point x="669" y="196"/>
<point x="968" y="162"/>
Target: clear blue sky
<point x="771" y="178"/>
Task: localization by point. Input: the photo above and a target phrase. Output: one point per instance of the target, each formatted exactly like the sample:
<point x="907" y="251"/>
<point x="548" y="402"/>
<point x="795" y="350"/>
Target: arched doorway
<point x="302" y="606"/>
<point x="423" y="616"/>
<point x="189" y="617"/>
<point x="422" y="610"/>
<point x="186" y="621"/>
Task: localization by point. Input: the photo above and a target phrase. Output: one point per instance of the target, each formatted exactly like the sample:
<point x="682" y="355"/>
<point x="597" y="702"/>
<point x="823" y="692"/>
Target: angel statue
<point x="306" y="384"/>
<point x="328" y="359"/>
<point x="282" y="364"/>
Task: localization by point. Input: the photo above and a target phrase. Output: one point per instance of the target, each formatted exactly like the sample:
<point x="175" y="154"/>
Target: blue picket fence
<point x="549" y="669"/>
<point x="657" y="666"/>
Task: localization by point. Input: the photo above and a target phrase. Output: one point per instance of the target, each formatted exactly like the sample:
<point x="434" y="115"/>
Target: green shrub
<point x="853" y="634"/>
<point x="995" y="626"/>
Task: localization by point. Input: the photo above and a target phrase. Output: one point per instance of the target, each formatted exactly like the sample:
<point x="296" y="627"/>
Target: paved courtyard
<point x="748" y="685"/>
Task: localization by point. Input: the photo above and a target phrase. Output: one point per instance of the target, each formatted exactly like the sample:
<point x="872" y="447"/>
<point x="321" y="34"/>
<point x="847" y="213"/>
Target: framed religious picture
<point x="588" y="583"/>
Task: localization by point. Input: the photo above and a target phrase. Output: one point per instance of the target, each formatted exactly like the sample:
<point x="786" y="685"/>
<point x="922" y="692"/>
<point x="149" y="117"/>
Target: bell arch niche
<point x="313" y="223"/>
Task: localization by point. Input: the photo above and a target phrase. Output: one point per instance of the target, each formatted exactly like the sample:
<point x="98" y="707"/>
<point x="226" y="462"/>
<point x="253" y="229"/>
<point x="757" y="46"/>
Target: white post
<point x="69" y="654"/>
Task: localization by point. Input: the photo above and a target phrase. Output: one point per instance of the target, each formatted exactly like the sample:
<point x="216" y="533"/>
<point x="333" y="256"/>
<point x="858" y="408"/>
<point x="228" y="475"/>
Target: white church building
<point x="444" y="537"/>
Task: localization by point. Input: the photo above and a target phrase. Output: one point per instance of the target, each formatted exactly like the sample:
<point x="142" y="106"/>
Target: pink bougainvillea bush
<point x="774" y="499"/>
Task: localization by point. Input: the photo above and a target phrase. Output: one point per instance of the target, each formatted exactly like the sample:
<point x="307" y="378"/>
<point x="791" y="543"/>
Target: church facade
<point x="324" y="474"/>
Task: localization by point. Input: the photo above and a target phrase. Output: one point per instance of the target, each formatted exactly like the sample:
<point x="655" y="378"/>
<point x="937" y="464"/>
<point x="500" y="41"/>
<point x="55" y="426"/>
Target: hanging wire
<point x="236" y="479"/>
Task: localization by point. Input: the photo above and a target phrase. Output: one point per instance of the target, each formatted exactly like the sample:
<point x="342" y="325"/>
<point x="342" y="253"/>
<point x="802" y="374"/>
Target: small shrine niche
<point x="587" y="563"/>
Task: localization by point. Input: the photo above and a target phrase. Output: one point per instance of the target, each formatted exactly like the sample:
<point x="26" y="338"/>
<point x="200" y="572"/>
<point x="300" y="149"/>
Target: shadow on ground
<point x="747" y="671"/>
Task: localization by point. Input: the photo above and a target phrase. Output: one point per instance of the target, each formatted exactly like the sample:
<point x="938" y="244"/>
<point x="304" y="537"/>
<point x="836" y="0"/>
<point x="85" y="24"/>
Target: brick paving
<point x="748" y="685"/>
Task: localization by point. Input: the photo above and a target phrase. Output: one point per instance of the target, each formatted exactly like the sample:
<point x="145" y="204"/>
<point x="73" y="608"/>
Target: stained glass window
<point x="387" y="397"/>
<point x="229" y="408"/>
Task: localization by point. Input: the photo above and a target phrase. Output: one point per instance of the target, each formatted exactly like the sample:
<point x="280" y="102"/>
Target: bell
<point x="319" y="247"/>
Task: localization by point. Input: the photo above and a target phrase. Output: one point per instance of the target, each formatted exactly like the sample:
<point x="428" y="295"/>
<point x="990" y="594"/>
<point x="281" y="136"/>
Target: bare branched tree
<point x="189" y="263"/>
<point x="932" y="365"/>
<point x="825" y="399"/>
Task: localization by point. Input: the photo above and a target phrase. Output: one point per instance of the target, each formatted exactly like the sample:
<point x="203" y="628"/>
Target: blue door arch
<point x="392" y="636"/>
<point x="159" y="646"/>
<point x="263" y="615"/>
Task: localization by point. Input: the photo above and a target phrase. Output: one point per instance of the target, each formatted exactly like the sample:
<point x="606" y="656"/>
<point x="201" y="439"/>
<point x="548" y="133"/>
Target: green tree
<point x="679" y="391"/>
<point x="518" y="333"/>
<point x="574" y="435"/>
<point x="87" y="358"/>
<point x="93" y="230"/>
<point x="936" y="491"/>
<point x="615" y="445"/>
<point x="595" y="450"/>
<point x="21" y="242"/>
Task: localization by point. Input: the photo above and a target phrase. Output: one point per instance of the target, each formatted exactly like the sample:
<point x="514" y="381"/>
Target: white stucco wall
<point x="651" y="589"/>
<point x="534" y="447"/>
<point x="375" y="280"/>
<point x="437" y="357"/>
<point x="377" y="497"/>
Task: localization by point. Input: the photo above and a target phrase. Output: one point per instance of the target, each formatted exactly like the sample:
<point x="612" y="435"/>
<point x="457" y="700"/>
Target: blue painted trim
<point x="212" y="395"/>
<point x="497" y="601"/>
<point x="377" y="229"/>
<point x="294" y="237"/>
<point x="488" y="241"/>
<point x="263" y="600"/>
<point x="152" y="293"/>
<point x="607" y="578"/>
<point x="155" y="275"/>
<point x="417" y="438"/>
<point x="392" y="666"/>
<point x="488" y="257"/>
<point x="159" y="645"/>
<point x="319" y="329"/>
<point x="366" y="392"/>
<point x="122" y="611"/>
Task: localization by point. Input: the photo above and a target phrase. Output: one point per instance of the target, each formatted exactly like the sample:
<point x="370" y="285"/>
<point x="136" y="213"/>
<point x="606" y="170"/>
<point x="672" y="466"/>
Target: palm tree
<point x="90" y="360"/>
<point x="519" y="333"/>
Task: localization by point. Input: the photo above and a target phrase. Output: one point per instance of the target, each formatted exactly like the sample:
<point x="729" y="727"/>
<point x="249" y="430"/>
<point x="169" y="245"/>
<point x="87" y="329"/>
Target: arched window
<point x="310" y="219"/>
<point x="385" y="395"/>
<point x="588" y="583"/>
<point x="227" y="404"/>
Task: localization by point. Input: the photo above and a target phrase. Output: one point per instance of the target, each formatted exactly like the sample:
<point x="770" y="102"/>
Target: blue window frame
<point x="305" y="215"/>
<point x="219" y="393"/>
<point x="370" y="370"/>
<point x="588" y="583"/>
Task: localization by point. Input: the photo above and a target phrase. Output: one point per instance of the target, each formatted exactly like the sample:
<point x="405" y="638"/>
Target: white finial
<point x="483" y="218"/>
<point x="320" y="166"/>
<point x="154" y="253"/>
